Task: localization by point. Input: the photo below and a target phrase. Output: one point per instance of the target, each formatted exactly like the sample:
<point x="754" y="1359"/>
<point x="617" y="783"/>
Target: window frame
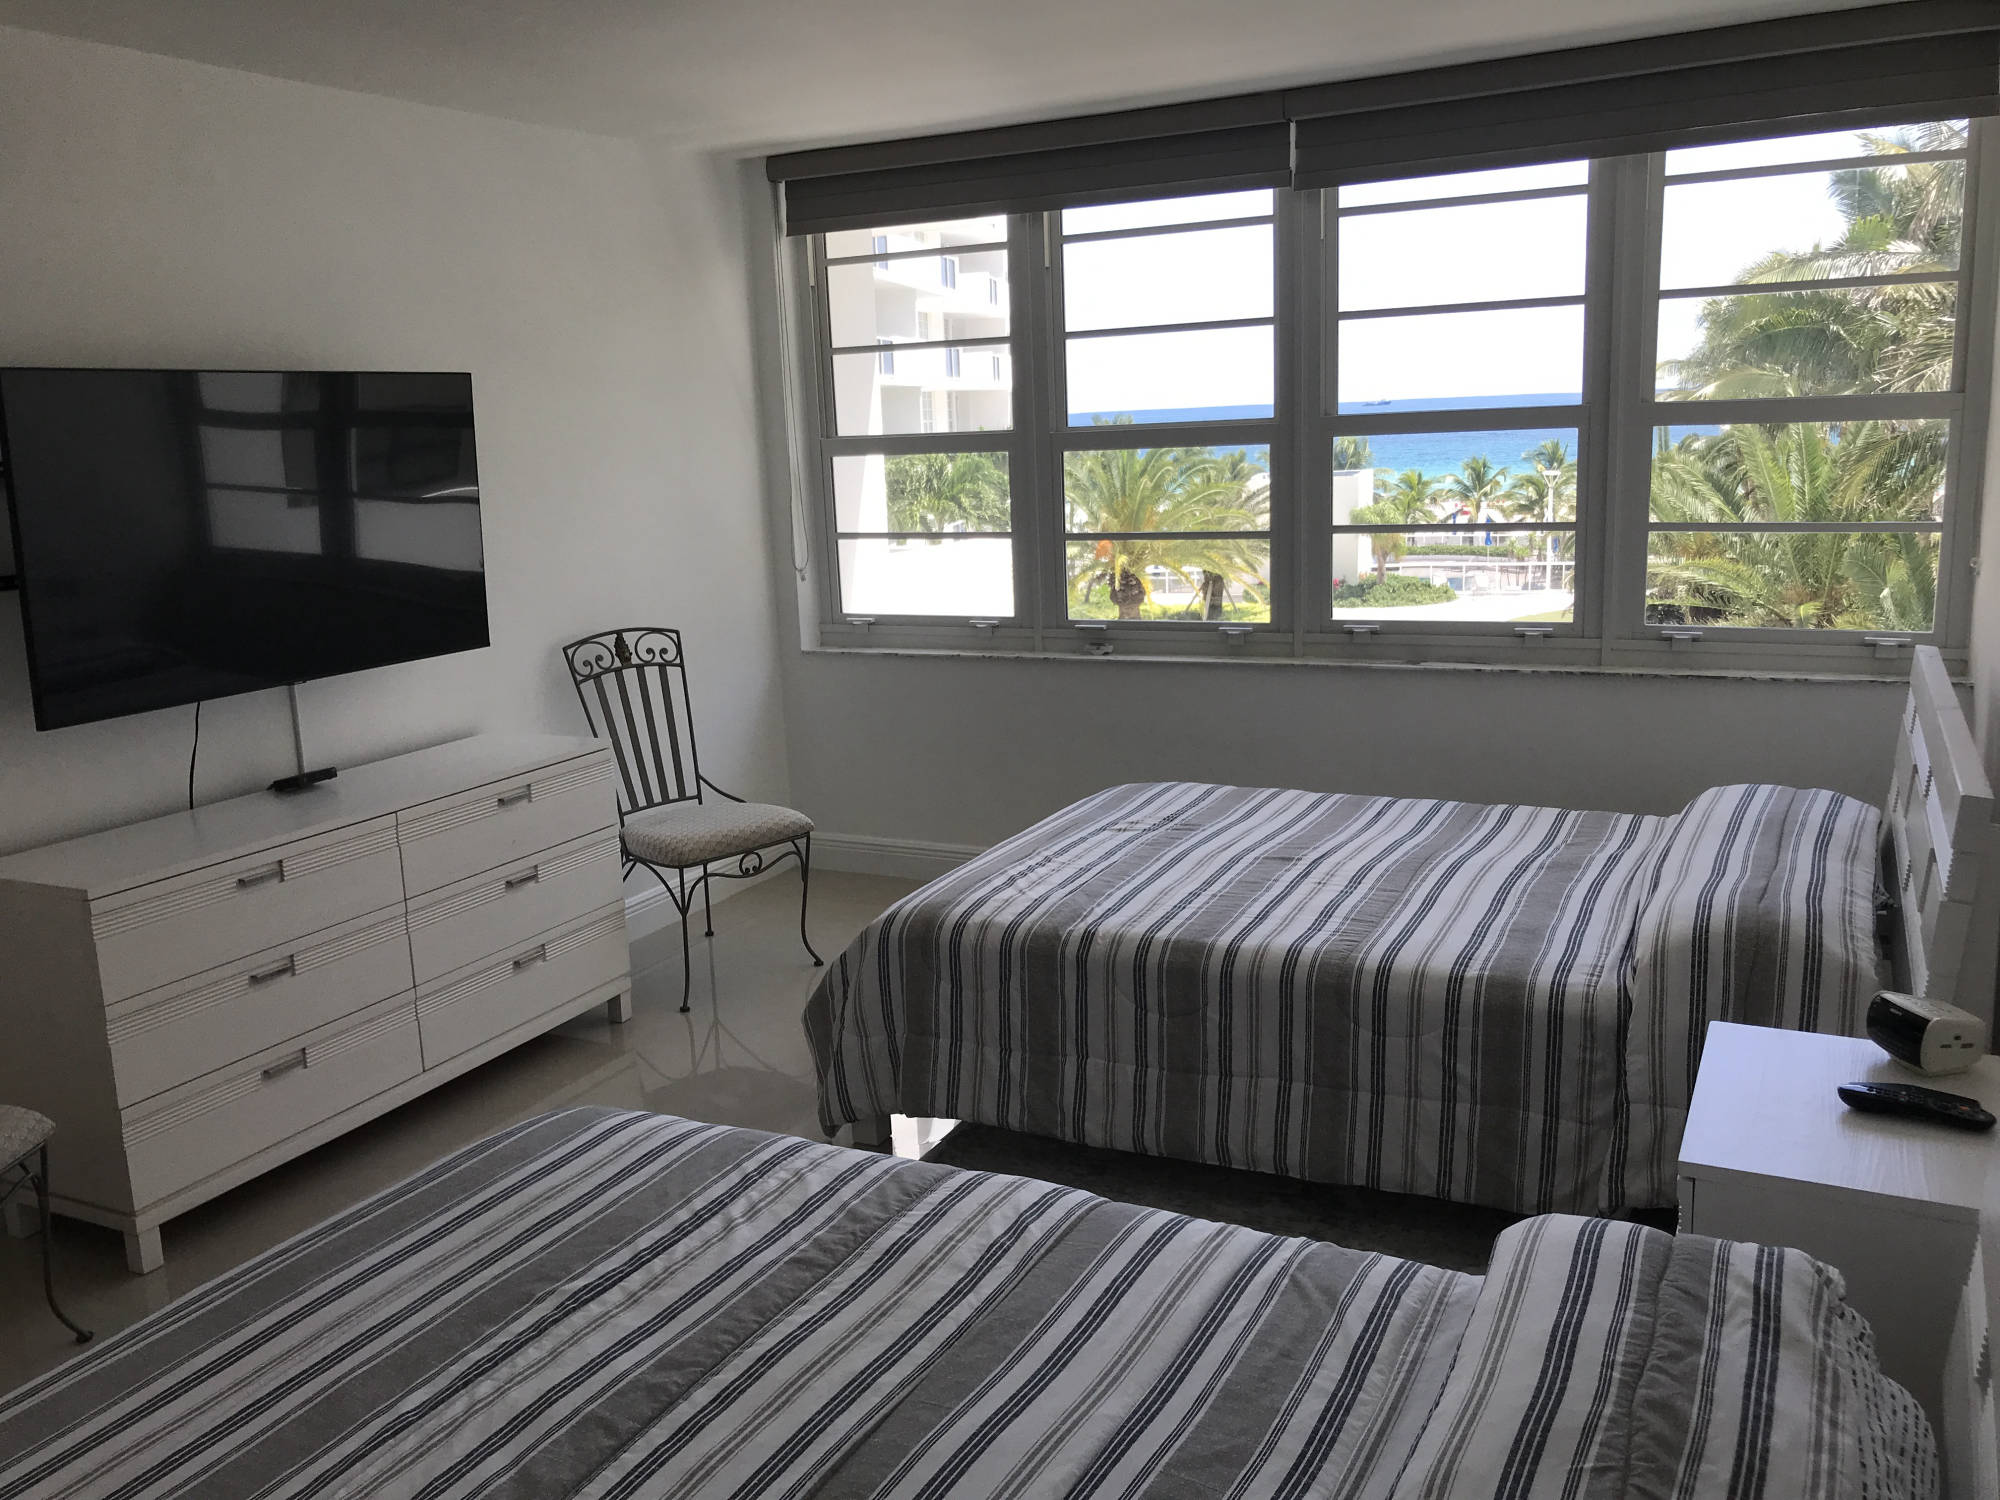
<point x="1614" y="423"/>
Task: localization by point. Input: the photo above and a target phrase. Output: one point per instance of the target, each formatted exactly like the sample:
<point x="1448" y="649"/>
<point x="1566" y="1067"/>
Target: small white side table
<point x="1772" y="1155"/>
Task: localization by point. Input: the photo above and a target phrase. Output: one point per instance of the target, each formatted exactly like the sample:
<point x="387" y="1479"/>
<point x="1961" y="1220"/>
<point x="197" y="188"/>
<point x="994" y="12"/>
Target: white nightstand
<point x="1772" y="1155"/>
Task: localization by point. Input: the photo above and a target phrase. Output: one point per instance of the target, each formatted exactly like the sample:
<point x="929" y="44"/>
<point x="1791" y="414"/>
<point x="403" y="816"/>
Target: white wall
<point x="959" y="751"/>
<point x="156" y="212"/>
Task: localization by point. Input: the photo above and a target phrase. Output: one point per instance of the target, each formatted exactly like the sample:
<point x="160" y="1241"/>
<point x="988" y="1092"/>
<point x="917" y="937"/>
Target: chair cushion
<point x="21" y="1131"/>
<point x="687" y="833"/>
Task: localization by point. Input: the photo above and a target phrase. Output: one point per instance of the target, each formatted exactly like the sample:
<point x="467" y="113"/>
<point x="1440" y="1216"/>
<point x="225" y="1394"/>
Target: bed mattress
<point x="1491" y="1004"/>
<point x="601" y="1303"/>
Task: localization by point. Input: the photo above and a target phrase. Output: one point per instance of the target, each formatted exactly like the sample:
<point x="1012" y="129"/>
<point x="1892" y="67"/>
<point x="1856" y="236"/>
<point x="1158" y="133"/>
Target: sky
<point x="1408" y="258"/>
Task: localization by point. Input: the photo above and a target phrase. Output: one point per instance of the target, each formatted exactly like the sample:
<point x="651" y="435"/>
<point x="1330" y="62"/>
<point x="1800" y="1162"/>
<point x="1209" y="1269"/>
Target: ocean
<point x="1432" y="453"/>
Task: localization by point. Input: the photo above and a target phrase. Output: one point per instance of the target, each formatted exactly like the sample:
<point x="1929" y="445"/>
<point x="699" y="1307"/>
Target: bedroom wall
<point x="962" y="751"/>
<point x="157" y="212"/>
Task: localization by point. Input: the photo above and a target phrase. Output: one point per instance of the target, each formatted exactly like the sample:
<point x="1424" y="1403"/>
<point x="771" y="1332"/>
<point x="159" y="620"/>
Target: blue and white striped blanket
<point x="607" y="1304"/>
<point x="1499" y="1005"/>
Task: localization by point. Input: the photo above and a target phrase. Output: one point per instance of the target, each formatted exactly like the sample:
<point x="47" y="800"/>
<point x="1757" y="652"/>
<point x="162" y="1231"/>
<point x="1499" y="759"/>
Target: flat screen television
<point x="189" y="534"/>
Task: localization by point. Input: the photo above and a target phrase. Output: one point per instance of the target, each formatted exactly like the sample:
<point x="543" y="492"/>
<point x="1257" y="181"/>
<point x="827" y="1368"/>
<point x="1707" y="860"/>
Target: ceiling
<point x="749" y="74"/>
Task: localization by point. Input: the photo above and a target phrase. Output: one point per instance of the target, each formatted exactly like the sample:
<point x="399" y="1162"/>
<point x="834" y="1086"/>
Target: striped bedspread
<point x="605" y="1304"/>
<point x="1498" y="1005"/>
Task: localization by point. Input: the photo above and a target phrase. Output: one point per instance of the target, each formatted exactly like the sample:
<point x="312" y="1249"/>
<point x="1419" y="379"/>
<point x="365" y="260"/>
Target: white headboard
<point x="1942" y="850"/>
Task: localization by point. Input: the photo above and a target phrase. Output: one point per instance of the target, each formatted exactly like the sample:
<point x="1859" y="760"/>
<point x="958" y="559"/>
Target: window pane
<point x="1819" y="343"/>
<point x="890" y="238"/>
<point x="928" y="298"/>
<point x="923" y="390"/>
<point x="1168" y="489"/>
<point x="1825" y="472"/>
<point x="1156" y="211"/>
<point x="1209" y="375"/>
<point x="1450" y="361"/>
<point x="1807" y="226"/>
<point x="1196" y="277"/>
<point x="1820" y="146"/>
<point x="1466" y="184"/>
<point x="1475" y="574"/>
<point x="1171" y="578"/>
<point x="941" y="492"/>
<point x="1424" y="478"/>
<point x="1484" y="252"/>
<point x="968" y="577"/>
<point x="1793" y="580"/>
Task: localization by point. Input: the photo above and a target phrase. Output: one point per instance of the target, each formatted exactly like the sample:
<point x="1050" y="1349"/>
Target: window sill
<point x="1730" y="671"/>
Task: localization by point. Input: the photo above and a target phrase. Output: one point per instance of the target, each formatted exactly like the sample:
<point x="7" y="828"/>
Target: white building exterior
<point x="912" y="308"/>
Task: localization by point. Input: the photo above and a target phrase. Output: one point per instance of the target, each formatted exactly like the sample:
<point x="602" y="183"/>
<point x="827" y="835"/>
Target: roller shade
<point x="1882" y="64"/>
<point x="1841" y="70"/>
<point x="1212" y="146"/>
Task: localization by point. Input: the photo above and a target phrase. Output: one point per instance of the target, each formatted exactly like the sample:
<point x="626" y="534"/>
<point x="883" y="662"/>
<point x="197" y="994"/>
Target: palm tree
<point x="947" y="492"/>
<point x="1748" y="474"/>
<point x="1477" y="488"/>
<point x="1899" y="217"/>
<point x="1546" y="493"/>
<point x="1163" y="490"/>
<point x="1409" y="499"/>
<point x="1351" y="453"/>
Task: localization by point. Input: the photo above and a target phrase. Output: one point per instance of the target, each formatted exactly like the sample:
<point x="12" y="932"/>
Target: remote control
<point x="1918" y="1102"/>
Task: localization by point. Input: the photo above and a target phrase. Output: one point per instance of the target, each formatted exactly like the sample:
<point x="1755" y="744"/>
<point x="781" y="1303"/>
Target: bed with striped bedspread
<point x="601" y="1303"/>
<point x="1499" y="1005"/>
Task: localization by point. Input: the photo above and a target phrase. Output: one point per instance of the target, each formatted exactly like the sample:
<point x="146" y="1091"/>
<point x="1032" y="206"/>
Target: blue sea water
<point x="1431" y="453"/>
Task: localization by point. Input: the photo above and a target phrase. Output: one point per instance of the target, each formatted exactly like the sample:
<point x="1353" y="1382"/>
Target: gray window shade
<point x="1879" y="65"/>
<point x="1211" y="146"/>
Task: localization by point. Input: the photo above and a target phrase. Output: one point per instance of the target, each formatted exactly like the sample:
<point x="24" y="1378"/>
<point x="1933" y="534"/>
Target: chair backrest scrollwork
<point x="632" y="683"/>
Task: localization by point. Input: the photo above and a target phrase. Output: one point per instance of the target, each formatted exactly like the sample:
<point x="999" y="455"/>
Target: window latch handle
<point x="1363" y="632"/>
<point x="1887" y="647"/>
<point x="1534" y="632"/>
<point x="1679" y="638"/>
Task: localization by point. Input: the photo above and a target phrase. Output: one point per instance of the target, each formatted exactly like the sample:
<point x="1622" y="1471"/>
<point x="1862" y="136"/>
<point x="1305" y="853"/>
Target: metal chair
<point x="24" y="1135"/>
<point x="632" y="684"/>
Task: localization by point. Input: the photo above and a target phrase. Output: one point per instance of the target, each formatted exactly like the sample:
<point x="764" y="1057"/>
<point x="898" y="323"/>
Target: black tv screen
<point x="189" y="534"/>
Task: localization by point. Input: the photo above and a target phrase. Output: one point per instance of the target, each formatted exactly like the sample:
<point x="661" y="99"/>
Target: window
<point x="1808" y="390"/>
<point x="1169" y="378"/>
<point x="1712" y="407"/>
<point x="1455" y="398"/>
<point x="918" y="461"/>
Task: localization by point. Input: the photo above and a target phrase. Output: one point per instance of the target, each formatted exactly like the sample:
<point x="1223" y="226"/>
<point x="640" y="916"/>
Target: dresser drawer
<point x="181" y="1031"/>
<point x="165" y="931"/>
<point x="471" y="832"/>
<point x="202" y="1127"/>
<point x="476" y="918"/>
<point x="476" y="1004"/>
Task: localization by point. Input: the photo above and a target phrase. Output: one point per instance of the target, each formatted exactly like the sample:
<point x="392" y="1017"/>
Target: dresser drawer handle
<point x="262" y="877"/>
<point x="289" y="1065"/>
<point x="515" y="882"/>
<point x="533" y="956"/>
<point x="509" y="799"/>
<point x="276" y="971"/>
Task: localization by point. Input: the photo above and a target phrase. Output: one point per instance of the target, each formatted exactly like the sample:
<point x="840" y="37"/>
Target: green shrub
<point x="1393" y="590"/>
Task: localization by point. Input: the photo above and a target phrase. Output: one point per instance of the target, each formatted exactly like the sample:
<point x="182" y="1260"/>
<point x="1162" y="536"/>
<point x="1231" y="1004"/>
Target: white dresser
<point x="198" y="997"/>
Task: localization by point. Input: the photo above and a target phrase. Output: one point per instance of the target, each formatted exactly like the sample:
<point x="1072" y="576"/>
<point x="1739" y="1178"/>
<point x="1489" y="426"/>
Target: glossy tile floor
<point x="739" y="1059"/>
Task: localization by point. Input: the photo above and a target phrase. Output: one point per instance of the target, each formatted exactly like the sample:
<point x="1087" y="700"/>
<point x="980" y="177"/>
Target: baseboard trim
<point x="910" y="859"/>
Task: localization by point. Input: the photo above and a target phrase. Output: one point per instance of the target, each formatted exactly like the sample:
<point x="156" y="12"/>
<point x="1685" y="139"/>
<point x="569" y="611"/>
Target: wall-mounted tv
<point x="190" y="534"/>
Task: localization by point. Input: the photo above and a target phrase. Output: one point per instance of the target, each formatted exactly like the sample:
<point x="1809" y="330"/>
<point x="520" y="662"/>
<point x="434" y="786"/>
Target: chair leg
<point x="687" y="959"/>
<point x="707" y="912"/>
<point x="83" y="1335"/>
<point x="805" y="891"/>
